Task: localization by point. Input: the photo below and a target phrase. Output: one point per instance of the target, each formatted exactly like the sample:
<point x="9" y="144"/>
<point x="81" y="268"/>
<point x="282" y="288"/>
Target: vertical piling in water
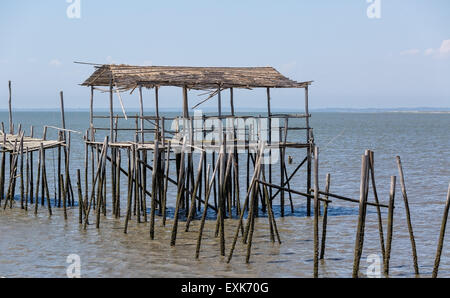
<point x="194" y="193"/>
<point x="166" y="185"/>
<point x="119" y="160"/>
<point x="37" y="182"/>
<point x="154" y="189"/>
<point x="390" y="225"/>
<point x="80" y="198"/>
<point x="205" y="212"/>
<point x="131" y="156"/>
<point x="31" y="168"/>
<point x="179" y="197"/>
<point x="325" y="218"/>
<point x="441" y="236"/>
<point x="316" y="212"/>
<point x="246" y="203"/>
<point x="380" y="221"/>
<point x="359" y="239"/>
<point x="11" y="127"/>
<point x="408" y="216"/>
<point x="22" y="181"/>
<point x="3" y="166"/>
<point x="45" y="192"/>
<point x="27" y="189"/>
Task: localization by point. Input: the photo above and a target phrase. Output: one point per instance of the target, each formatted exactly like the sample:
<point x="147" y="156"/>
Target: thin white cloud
<point x="55" y="63"/>
<point x="429" y="52"/>
<point x="444" y="50"/>
<point x="411" y="52"/>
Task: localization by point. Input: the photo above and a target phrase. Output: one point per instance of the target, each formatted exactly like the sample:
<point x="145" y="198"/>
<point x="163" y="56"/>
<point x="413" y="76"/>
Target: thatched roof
<point x="129" y="77"/>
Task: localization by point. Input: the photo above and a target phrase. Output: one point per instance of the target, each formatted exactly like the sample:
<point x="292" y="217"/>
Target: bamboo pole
<point x="441" y="236"/>
<point x="408" y="216"/>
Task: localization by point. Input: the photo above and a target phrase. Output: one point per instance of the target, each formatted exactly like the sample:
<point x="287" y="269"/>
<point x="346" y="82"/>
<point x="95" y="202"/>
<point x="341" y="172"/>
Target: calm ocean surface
<point x="33" y="246"/>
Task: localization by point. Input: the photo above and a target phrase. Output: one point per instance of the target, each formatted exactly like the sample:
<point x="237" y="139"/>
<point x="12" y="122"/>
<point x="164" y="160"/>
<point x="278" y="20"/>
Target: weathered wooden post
<point x="316" y="212"/>
<point x="359" y="239"/>
<point x="11" y="127"/>
<point x="325" y="218"/>
<point x="390" y="223"/>
<point x="441" y="236"/>
<point x="408" y="215"/>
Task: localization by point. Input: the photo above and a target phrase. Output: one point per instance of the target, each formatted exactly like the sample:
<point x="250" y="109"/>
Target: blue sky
<point x="400" y="60"/>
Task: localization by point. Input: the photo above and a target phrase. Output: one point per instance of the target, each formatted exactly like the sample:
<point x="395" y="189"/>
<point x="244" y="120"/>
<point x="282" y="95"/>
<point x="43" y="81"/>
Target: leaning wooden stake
<point x="166" y="185"/>
<point x="154" y="189"/>
<point x="181" y="176"/>
<point x="375" y="193"/>
<point x="390" y="228"/>
<point x="325" y="218"/>
<point x="205" y="210"/>
<point x="103" y="153"/>
<point x="194" y="193"/>
<point x="442" y="235"/>
<point x="45" y="191"/>
<point x="359" y="240"/>
<point x="246" y="202"/>
<point x="408" y="215"/>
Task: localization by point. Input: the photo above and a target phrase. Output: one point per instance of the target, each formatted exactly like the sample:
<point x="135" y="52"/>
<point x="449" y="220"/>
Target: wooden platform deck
<point x="11" y="143"/>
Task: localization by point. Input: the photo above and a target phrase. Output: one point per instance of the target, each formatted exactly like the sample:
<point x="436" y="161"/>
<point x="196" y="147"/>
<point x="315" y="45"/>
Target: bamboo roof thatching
<point x="129" y="77"/>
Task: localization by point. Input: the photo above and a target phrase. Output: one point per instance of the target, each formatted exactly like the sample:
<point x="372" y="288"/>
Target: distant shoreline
<point x="248" y="110"/>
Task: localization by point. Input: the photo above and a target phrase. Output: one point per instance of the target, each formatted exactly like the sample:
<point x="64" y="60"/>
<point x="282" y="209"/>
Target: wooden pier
<point x="205" y="159"/>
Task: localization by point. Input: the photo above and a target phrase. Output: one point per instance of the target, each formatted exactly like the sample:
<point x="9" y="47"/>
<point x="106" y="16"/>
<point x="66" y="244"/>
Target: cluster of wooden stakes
<point x="94" y="199"/>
